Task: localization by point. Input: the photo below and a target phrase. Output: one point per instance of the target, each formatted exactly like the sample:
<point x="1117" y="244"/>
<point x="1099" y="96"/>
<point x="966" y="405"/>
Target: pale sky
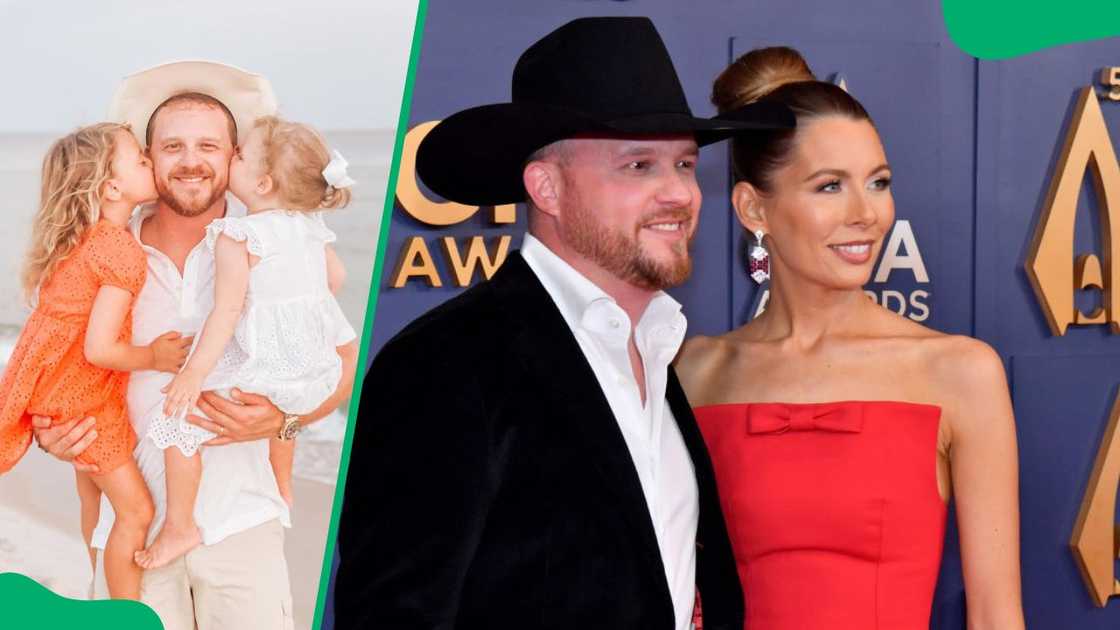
<point x="337" y="64"/>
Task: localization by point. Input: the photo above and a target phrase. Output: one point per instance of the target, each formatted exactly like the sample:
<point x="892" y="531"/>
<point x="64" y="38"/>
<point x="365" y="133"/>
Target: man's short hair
<point x="556" y="151"/>
<point x="193" y="98"/>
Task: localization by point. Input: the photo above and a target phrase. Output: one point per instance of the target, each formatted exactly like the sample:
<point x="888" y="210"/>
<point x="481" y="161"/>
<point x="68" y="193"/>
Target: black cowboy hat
<point x="603" y="75"/>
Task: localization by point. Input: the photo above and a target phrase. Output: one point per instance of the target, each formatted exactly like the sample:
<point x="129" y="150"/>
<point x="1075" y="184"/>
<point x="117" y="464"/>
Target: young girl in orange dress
<point x="74" y="354"/>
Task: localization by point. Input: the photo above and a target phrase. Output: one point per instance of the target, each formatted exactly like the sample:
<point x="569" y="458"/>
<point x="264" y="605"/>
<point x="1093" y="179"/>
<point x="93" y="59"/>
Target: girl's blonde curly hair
<point x="295" y="156"/>
<point x="74" y="170"/>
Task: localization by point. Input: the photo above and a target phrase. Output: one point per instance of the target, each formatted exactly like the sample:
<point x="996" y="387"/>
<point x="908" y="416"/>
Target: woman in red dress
<point x="838" y="429"/>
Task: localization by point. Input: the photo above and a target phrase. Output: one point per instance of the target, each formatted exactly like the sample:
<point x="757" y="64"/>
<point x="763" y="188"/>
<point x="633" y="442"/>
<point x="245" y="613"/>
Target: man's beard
<point x="194" y="205"/>
<point x="621" y="254"/>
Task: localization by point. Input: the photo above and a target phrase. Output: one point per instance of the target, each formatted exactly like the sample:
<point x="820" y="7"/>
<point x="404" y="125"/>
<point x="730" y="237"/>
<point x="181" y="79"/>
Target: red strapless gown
<point x="832" y="509"/>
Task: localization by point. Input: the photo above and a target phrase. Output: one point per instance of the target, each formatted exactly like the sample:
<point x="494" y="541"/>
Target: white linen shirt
<point x="660" y="457"/>
<point x="238" y="488"/>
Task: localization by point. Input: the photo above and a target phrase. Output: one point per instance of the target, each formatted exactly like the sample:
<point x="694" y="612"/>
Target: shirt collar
<point x="584" y="305"/>
<point x="138" y="217"/>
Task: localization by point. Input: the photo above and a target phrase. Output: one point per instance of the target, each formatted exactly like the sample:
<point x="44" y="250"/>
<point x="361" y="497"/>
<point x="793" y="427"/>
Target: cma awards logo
<point x="416" y="260"/>
<point x="1057" y="271"/>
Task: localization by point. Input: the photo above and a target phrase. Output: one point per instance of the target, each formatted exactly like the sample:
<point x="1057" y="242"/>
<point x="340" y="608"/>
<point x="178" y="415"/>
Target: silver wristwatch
<point x="291" y="427"/>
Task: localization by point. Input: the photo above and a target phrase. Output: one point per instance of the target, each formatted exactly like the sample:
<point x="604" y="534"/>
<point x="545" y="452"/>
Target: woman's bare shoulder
<point x="950" y="361"/>
<point x="698" y="353"/>
<point x="700" y="358"/>
<point x="964" y="364"/>
<point x="967" y="377"/>
<point x="891" y="324"/>
<point x="698" y="349"/>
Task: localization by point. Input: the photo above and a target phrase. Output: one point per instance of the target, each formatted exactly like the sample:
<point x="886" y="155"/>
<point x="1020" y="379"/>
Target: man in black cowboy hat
<point x="563" y="483"/>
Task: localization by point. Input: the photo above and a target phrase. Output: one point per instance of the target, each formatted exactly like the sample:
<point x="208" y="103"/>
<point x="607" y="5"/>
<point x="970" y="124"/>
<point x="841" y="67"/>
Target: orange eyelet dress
<point x="48" y="374"/>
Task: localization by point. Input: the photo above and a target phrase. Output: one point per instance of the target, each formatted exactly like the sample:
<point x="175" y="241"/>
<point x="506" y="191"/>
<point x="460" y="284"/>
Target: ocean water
<point x="369" y="153"/>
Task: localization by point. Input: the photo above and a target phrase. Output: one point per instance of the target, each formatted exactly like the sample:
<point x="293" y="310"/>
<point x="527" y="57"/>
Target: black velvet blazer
<point x="490" y="486"/>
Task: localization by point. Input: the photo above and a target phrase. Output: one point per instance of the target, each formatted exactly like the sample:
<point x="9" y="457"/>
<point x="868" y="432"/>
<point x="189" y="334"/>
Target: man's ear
<point x="265" y="185"/>
<point x="544" y="184"/>
<point x="111" y="190"/>
<point x="749" y="207"/>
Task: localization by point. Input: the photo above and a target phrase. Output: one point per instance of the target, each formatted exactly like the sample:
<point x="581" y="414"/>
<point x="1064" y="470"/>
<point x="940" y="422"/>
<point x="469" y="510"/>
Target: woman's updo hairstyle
<point x="775" y="75"/>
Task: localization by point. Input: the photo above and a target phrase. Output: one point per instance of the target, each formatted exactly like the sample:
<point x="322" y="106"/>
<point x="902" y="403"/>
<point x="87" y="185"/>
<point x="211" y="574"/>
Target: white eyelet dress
<point x="284" y="344"/>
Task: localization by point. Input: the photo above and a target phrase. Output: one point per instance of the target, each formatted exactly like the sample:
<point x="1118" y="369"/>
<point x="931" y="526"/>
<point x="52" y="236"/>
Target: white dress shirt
<point x="238" y="488"/>
<point x="660" y="457"/>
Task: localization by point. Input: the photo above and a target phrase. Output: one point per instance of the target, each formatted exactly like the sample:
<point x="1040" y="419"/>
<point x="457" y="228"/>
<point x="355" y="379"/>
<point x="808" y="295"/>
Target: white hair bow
<point x="335" y="172"/>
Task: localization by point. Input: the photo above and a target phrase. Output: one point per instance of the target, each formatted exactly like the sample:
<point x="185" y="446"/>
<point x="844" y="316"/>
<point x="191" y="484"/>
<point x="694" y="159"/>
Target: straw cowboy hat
<point x="604" y="76"/>
<point x="246" y="95"/>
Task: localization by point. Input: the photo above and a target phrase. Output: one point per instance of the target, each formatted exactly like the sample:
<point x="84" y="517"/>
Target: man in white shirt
<point x="238" y="577"/>
<point x="544" y="468"/>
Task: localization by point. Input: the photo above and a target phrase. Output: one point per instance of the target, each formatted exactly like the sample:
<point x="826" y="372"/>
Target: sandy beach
<point x="39" y="534"/>
<point x="39" y="530"/>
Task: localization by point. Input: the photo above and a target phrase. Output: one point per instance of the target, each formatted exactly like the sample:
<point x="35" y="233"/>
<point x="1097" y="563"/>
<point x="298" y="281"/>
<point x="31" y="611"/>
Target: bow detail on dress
<point x="842" y="417"/>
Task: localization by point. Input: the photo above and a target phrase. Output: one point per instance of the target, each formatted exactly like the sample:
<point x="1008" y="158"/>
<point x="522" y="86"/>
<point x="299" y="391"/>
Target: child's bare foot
<point x="170" y="543"/>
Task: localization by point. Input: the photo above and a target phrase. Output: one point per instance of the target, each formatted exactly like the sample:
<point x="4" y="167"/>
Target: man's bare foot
<point x="170" y="543"/>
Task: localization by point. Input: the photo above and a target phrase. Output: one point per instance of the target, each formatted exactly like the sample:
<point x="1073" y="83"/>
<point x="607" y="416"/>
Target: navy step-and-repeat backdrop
<point x="1000" y="234"/>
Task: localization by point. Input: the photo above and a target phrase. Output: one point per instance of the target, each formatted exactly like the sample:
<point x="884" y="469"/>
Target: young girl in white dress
<point x="275" y="324"/>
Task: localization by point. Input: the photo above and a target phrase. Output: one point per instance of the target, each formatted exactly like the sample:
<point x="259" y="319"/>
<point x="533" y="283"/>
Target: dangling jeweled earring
<point x="759" y="259"/>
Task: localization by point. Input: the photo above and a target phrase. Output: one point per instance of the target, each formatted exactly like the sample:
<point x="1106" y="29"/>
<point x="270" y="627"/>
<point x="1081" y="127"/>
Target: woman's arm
<point x="985" y="476"/>
<point x="104" y="348"/>
<point x="231" y="282"/>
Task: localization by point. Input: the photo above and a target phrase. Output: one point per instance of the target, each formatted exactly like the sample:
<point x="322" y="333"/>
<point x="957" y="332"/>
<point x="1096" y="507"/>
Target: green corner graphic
<point x="28" y="604"/>
<point x="999" y="29"/>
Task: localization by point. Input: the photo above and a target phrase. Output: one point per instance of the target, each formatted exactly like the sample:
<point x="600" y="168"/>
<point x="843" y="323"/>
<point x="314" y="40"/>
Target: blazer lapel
<point x="547" y="347"/>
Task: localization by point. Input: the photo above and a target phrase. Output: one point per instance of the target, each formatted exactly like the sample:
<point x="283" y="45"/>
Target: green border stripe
<point x="371" y="306"/>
